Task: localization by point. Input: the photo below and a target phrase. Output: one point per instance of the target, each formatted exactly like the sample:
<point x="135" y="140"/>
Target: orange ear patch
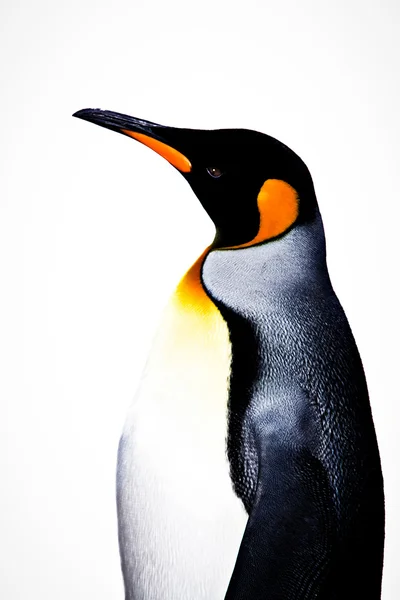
<point x="278" y="205"/>
<point x="176" y="158"/>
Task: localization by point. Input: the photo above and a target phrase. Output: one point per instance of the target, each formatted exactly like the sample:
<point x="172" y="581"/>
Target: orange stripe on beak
<point x="177" y="160"/>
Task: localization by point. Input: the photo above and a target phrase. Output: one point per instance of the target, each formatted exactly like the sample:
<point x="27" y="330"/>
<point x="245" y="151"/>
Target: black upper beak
<point x="118" y="122"/>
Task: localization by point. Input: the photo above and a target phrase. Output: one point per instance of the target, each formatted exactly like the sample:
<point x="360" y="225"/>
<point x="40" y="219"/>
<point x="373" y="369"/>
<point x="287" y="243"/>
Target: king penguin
<point x="248" y="468"/>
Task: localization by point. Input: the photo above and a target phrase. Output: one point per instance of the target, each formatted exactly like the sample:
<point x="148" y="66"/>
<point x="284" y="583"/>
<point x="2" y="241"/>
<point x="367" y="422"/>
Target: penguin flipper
<point x="286" y="549"/>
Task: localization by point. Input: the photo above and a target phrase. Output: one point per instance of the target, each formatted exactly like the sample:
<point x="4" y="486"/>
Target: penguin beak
<point x="150" y="134"/>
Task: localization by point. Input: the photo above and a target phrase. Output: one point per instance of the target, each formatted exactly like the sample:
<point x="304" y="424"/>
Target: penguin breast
<point x="180" y="522"/>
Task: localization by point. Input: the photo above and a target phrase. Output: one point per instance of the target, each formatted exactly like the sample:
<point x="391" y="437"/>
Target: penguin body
<point x="248" y="468"/>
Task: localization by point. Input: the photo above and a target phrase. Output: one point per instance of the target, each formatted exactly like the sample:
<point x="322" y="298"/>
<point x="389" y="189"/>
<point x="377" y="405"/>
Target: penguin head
<point x="253" y="187"/>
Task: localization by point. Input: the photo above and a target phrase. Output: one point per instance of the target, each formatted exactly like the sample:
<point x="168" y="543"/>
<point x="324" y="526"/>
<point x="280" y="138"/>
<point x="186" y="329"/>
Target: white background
<point x="95" y="230"/>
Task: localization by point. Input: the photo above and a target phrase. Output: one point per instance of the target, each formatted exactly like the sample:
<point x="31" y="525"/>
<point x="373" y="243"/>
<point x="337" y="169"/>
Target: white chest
<point x="180" y="522"/>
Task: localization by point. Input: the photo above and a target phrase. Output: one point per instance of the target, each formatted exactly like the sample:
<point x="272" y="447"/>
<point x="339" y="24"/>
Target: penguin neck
<point x="190" y="296"/>
<point x="257" y="277"/>
<point x="297" y="257"/>
<point x="192" y="326"/>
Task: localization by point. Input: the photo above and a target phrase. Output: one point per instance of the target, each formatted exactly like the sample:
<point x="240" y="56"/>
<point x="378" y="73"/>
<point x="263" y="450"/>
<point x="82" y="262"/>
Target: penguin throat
<point x="198" y="329"/>
<point x="190" y="295"/>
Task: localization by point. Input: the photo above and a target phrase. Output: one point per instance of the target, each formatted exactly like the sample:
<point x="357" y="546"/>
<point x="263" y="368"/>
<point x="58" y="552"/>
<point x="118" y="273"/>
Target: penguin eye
<point x="214" y="172"/>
